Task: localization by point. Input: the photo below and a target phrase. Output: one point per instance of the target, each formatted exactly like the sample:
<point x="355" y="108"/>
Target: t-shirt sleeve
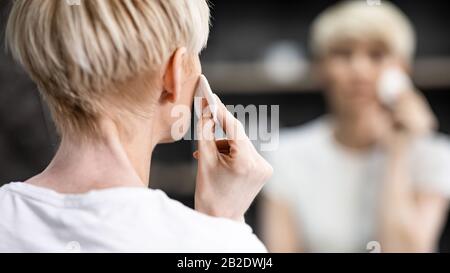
<point x="245" y="241"/>
<point x="431" y="164"/>
<point x="204" y="233"/>
<point x="227" y="236"/>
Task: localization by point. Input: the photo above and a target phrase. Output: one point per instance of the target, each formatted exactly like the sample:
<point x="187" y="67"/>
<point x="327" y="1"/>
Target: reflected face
<point x="349" y="74"/>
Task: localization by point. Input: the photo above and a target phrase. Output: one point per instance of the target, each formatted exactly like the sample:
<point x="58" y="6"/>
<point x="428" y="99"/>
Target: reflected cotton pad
<point x="204" y="91"/>
<point x="392" y="83"/>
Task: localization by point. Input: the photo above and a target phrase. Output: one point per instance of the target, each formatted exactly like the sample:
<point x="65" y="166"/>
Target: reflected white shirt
<point x="333" y="191"/>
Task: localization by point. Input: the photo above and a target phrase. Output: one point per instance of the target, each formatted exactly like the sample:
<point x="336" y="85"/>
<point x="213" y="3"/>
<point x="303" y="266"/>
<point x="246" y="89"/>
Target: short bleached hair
<point x="357" y="20"/>
<point x="82" y="56"/>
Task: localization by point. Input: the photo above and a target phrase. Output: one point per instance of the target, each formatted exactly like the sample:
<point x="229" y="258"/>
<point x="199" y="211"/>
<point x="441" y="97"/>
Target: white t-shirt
<point x="35" y="219"/>
<point x="333" y="191"/>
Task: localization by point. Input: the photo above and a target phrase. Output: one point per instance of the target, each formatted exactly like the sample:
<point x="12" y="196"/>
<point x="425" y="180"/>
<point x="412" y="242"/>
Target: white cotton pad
<point x="204" y="91"/>
<point x="392" y="83"/>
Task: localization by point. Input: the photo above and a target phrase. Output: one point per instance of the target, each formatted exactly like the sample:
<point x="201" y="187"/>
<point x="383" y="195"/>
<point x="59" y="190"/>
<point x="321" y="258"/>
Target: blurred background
<point x="250" y="42"/>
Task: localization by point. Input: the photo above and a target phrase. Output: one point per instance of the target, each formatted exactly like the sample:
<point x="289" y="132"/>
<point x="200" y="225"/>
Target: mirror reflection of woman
<point x="365" y="172"/>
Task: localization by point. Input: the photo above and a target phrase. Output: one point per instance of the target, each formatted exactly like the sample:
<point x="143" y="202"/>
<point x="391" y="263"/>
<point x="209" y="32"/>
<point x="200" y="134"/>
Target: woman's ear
<point x="174" y="76"/>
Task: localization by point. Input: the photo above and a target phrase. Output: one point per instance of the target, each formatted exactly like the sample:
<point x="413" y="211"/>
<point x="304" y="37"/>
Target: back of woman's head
<point x="82" y="53"/>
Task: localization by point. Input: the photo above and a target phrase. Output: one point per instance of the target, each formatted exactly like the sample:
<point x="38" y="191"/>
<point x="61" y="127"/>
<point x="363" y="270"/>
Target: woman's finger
<point x="232" y="127"/>
<point x="205" y="133"/>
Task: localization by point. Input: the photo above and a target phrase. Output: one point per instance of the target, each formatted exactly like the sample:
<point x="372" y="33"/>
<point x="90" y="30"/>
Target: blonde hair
<point x="79" y="55"/>
<point x="359" y="20"/>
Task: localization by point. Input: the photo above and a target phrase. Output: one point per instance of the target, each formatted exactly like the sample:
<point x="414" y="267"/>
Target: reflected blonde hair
<point x="357" y="20"/>
<point x="81" y="56"/>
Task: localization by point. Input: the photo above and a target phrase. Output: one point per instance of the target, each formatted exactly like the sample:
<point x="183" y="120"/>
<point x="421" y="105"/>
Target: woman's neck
<point x="358" y="132"/>
<point x="111" y="161"/>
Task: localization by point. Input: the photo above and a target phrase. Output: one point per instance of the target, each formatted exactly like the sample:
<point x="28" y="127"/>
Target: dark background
<point x="242" y="32"/>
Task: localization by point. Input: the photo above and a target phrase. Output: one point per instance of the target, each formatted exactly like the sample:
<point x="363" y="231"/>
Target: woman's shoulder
<point x="219" y="234"/>
<point x="430" y="161"/>
<point x="432" y="148"/>
<point x="301" y="141"/>
<point x="306" y="133"/>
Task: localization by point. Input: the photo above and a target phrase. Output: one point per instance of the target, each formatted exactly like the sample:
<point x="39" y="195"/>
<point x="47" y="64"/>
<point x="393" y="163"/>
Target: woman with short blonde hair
<point x="112" y="72"/>
<point x="372" y="175"/>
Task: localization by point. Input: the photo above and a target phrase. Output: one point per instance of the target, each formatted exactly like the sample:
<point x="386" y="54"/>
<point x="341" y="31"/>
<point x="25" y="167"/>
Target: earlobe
<point x="173" y="76"/>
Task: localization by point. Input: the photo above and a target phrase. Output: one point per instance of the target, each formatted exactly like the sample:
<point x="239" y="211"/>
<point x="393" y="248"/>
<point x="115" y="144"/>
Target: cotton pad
<point x="204" y="91"/>
<point x="392" y="83"/>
